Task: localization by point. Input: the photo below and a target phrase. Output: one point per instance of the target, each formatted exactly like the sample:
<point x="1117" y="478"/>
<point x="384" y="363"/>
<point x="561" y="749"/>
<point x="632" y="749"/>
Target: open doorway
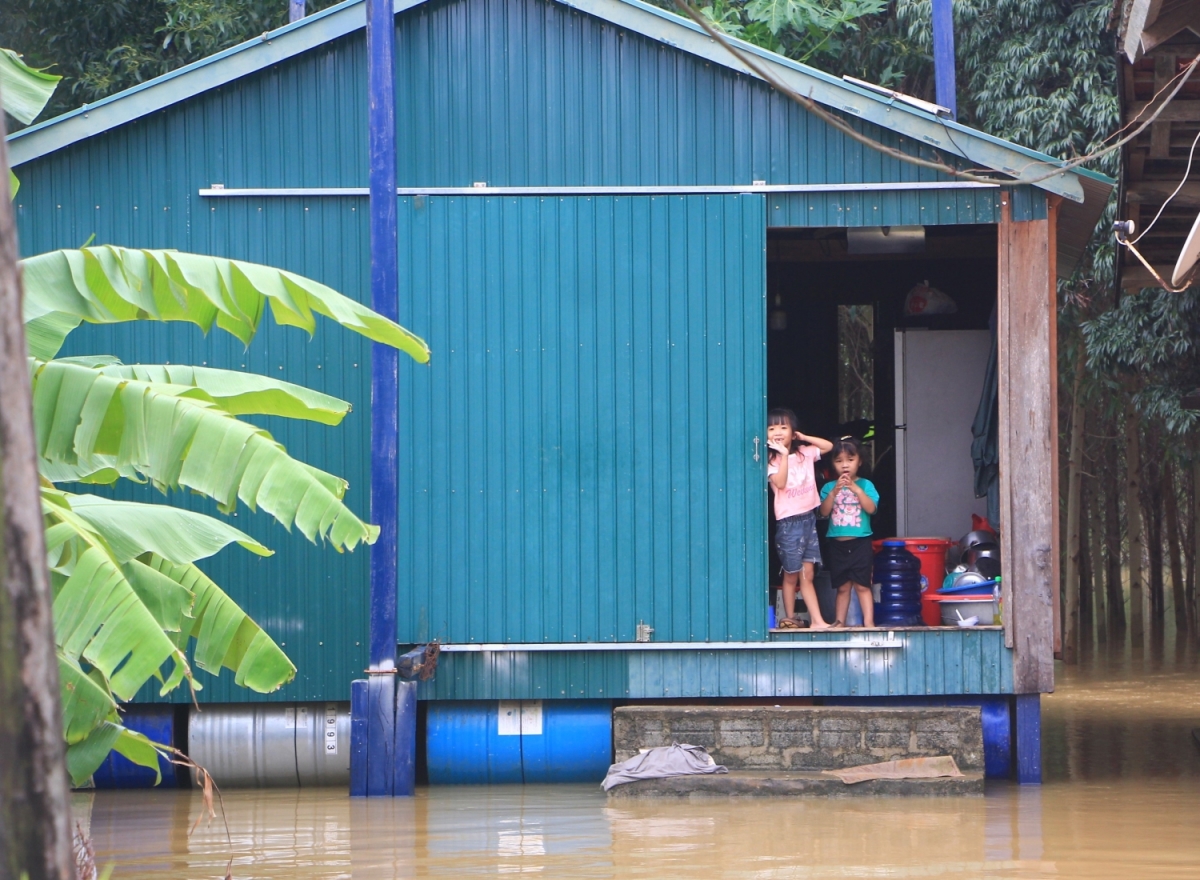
<point x="836" y="323"/>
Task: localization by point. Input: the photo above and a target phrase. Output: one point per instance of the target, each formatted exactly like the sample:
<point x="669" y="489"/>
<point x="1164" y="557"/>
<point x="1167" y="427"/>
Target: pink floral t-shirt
<point x="800" y="494"/>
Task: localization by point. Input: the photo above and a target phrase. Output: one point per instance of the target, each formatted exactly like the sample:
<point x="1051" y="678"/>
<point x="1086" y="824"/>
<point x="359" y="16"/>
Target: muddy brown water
<point x="1121" y="800"/>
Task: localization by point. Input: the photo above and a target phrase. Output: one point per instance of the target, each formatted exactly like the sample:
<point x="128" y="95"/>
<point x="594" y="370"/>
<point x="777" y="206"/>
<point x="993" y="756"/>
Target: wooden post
<point x="35" y="832"/>
<point x="1028" y="442"/>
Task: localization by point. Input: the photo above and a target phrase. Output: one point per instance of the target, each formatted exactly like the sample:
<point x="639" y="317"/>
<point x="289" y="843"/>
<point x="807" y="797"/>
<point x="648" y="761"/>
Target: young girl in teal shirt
<point x="849" y="502"/>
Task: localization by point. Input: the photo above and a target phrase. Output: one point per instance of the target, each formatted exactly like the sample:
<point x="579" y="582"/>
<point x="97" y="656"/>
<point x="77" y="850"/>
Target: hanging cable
<point x="841" y="125"/>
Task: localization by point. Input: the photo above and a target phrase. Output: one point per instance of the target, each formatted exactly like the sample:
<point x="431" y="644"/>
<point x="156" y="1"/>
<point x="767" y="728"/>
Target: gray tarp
<point x="677" y="759"/>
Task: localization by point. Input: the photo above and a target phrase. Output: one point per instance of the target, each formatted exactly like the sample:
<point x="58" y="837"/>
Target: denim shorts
<point x="796" y="541"/>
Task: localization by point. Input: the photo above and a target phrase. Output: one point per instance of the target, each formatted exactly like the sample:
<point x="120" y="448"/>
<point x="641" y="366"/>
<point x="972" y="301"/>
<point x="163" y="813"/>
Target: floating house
<point x="622" y="247"/>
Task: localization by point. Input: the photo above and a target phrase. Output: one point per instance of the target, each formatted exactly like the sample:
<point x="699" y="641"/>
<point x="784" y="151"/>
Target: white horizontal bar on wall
<point x="529" y="647"/>
<point x="218" y="192"/>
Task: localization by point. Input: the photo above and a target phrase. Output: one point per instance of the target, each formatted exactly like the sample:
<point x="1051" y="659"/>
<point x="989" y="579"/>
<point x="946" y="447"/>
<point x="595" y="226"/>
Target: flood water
<point x="1121" y="800"/>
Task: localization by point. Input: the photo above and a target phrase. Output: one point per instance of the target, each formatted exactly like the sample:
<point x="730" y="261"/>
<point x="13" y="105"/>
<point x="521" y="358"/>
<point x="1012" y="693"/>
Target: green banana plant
<point x="25" y="91"/>
<point x="129" y="599"/>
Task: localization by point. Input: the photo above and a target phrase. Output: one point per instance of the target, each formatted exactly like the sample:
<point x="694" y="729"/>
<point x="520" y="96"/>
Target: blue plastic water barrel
<point x="489" y="743"/>
<point x="898" y="574"/>
<point x="464" y="746"/>
<point x="575" y="744"/>
<point x="156" y="722"/>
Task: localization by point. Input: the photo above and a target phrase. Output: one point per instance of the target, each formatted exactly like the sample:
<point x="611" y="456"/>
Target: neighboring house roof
<point x="1158" y="39"/>
<point x="1085" y="192"/>
<point x="1146" y="24"/>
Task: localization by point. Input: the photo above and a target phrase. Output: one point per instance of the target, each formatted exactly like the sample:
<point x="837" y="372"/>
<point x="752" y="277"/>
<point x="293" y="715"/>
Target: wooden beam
<point x="1160" y="131"/>
<point x="1028" y="510"/>
<point x="1179" y="110"/>
<point x="833" y="250"/>
<point x="1155" y="192"/>
<point x="1186" y="16"/>
<point x="1135" y="276"/>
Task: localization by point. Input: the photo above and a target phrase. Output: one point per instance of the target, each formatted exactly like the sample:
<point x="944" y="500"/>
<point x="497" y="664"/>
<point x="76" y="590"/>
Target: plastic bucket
<point x="931" y="552"/>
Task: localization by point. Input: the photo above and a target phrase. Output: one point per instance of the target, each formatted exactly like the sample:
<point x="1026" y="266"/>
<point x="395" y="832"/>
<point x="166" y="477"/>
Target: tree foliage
<point x="103" y="48"/>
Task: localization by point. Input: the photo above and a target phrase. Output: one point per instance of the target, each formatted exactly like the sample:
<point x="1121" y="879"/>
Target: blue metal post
<point x="1028" y="724"/>
<point x="943" y="54"/>
<point x="404" y="773"/>
<point x="296" y="10"/>
<point x="375" y="716"/>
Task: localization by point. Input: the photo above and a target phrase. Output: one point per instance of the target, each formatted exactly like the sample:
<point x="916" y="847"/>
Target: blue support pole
<point x="943" y="54"/>
<point x="297" y="10"/>
<point x="374" y="703"/>
<point x="1027" y="719"/>
<point x="404" y="774"/>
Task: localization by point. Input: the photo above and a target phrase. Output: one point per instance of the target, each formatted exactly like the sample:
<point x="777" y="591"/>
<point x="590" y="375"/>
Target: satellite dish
<point x="1188" y="256"/>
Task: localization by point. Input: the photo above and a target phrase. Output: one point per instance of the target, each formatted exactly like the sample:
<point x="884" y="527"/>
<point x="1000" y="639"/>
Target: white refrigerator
<point x="939" y="379"/>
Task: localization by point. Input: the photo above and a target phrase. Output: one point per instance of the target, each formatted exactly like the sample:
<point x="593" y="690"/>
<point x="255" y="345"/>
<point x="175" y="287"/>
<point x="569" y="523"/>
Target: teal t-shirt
<point x="848" y="519"/>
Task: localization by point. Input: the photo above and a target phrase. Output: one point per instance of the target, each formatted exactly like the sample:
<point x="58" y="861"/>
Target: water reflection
<point x="1121" y="800"/>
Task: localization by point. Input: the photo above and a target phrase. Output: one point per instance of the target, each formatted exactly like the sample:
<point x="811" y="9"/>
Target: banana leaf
<point x="236" y="393"/>
<point x="131" y="529"/>
<point x="25" y="90"/>
<point x="225" y="635"/>
<point x="85" y="757"/>
<point x="108" y="284"/>
<point x="175" y="438"/>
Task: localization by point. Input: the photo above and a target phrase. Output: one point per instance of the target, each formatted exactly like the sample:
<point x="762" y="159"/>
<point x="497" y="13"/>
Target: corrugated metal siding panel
<point x="926" y="663"/>
<point x="534" y="93"/>
<point x="582" y="445"/>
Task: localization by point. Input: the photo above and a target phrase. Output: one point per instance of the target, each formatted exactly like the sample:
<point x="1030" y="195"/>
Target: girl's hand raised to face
<point x="777" y="446"/>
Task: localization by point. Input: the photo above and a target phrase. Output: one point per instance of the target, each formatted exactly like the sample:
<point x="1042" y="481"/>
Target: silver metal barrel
<point x="268" y="745"/>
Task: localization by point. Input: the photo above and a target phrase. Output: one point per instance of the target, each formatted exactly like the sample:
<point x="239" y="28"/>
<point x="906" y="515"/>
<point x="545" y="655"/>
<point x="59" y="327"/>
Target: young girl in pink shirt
<point x="790" y="473"/>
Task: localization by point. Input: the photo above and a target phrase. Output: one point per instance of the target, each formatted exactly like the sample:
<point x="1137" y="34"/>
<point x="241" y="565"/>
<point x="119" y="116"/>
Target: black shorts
<point x="850" y="561"/>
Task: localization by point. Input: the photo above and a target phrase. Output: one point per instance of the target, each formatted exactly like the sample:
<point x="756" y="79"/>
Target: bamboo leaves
<point x="109" y="284"/>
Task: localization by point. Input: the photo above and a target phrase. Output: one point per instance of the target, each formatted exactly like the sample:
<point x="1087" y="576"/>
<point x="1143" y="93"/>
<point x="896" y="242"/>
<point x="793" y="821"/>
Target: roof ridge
<point x="658" y="24"/>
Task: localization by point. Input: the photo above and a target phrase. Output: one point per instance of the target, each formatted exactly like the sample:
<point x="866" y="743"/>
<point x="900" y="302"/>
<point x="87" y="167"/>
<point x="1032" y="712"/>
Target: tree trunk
<point x="1152" y="526"/>
<point x="1133" y="524"/>
<point x="1073" y="544"/>
<point x="35" y="834"/>
<point x="1171" y="508"/>
<point x="1112" y="545"/>
<point x="1095" y="557"/>
<point x="1194" y="544"/>
<point x="1086" y="621"/>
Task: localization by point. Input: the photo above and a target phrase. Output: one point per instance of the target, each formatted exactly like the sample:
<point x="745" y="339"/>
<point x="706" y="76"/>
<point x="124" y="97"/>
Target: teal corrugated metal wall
<point x="939" y="662"/>
<point x="535" y="93"/>
<point x="580" y="455"/>
<point x="311" y="599"/>
<point x="512" y="92"/>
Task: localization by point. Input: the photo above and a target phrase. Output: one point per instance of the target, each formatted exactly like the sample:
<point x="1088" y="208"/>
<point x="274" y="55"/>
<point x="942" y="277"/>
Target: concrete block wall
<point x="804" y="737"/>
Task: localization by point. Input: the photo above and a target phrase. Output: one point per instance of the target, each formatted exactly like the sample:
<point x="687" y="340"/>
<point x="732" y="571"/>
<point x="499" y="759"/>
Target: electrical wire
<point x="843" y="126"/>
<point x="1186" y="173"/>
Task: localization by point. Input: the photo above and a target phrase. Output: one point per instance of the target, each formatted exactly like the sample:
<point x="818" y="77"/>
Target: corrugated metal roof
<point x="671" y="30"/>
